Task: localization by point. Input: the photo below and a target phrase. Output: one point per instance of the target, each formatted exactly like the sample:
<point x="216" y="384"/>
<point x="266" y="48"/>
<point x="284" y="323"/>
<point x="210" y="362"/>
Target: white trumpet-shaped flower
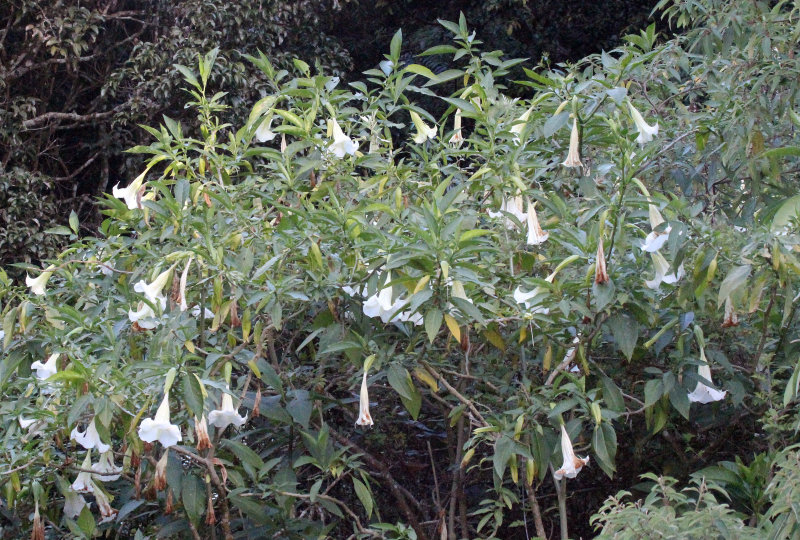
<point x="105" y="470"/>
<point x="536" y="235"/>
<point x="364" y="418"/>
<point x="423" y="131"/>
<point x="574" y="154"/>
<point x="661" y="270"/>
<point x="25" y="423"/>
<point x="182" y="287"/>
<point x="207" y="313"/>
<point x="572" y="464"/>
<point x="47" y="369"/>
<point x="533" y="299"/>
<point x="74" y="503"/>
<point x="513" y="206"/>
<point x="226" y="414"/>
<point x="37" y="285"/>
<point x="159" y="428"/>
<point x="144" y="317"/>
<point x="83" y="483"/>
<point x="264" y="131"/>
<point x="457" y="138"/>
<point x="646" y="131"/>
<point x="152" y="291"/>
<point x="655" y="240"/>
<point x="380" y="304"/>
<point x="520" y="123"/>
<point x="131" y="194"/>
<point x="90" y="438"/>
<point x="703" y="393"/>
<point x="342" y="144"/>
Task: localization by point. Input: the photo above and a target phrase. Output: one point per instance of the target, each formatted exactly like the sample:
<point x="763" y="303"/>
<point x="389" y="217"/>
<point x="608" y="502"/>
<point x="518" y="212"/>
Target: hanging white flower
<point x="364" y="418"/>
<point x="152" y="291"/>
<point x="83" y="483"/>
<point x="207" y="313"/>
<point x="105" y="469"/>
<point x="661" y="270"/>
<point x="703" y="393"/>
<point x="226" y="414"/>
<point x="342" y="144"/>
<point x="513" y="206"/>
<point x="519" y="125"/>
<point x="38" y="284"/>
<point x="48" y="369"/>
<point x="457" y="138"/>
<point x="655" y="240"/>
<point x="423" y="131"/>
<point x="90" y="438"/>
<point x="536" y="235"/>
<point x="380" y="304"/>
<point x="533" y="299"/>
<point x="646" y="131"/>
<point x="574" y="154"/>
<point x="131" y="194"/>
<point x="182" y="288"/>
<point x="572" y="464"/>
<point x="264" y="131"/>
<point x="160" y="428"/>
<point x="145" y="316"/>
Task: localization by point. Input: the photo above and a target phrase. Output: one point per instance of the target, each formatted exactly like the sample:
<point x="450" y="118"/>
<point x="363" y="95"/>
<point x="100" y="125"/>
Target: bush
<point x="497" y="309"/>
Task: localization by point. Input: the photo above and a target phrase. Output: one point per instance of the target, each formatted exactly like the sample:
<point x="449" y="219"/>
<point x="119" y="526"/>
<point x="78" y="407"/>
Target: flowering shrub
<point x="275" y="315"/>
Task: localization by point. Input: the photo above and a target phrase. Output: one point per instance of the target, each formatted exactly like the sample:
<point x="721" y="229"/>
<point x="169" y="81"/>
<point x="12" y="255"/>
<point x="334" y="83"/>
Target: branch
<point x="58" y="116"/>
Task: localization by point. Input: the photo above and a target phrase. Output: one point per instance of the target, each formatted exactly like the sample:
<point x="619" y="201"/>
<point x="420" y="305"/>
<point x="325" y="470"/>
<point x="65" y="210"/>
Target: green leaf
<point x="612" y="395"/>
<point x="421" y="70"/>
<point x="626" y="333"/>
<point x="400" y="380"/>
<point x="86" y="522"/>
<point x="300" y="407"/>
<point x="433" y="321"/>
<point x="244" y="453"/>
<point x="680" y="400"/>
<point x="603" y="294"/>
<point x="193" y="394"/>
<point x="394" y="46"/>
<point x="364" y="496"/>
<point x="653" y="391"/>
<point x="193" y="495"/>
<point x="73" y="221"/>
<point x="604" y="444"/>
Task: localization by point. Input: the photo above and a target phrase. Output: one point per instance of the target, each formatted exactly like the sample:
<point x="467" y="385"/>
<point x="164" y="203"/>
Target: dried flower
<point x="160" y="478"/>
<point x="600" y="273"/>
<point x="201" y="431"/>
